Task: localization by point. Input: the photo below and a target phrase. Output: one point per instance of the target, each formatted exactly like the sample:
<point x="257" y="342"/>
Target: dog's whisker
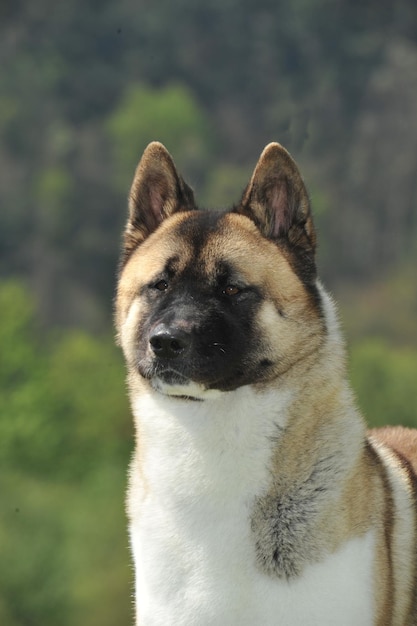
<point x="220" y="346"/>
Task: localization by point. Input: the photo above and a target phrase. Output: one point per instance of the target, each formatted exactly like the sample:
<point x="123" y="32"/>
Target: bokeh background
<point x="84" y="86"/>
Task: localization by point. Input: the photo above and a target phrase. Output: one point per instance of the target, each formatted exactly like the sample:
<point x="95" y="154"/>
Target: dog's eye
<point x="161" y="285"/>
<point x="231" y="290"/>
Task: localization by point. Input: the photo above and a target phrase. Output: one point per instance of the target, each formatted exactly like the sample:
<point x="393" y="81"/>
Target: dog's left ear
<point x="277" y="200"/>
<point x="157" y="192"/>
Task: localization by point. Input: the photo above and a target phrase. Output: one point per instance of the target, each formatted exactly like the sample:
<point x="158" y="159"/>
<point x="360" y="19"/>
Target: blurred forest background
<point x="84" y="86"/>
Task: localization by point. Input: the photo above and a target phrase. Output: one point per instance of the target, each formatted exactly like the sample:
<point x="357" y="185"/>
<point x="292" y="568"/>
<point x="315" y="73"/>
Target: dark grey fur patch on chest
<point x="286" y="523"/>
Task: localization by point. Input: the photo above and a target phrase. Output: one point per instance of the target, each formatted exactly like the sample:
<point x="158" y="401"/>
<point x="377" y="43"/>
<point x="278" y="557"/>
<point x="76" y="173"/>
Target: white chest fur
<point x="201" y="466"/>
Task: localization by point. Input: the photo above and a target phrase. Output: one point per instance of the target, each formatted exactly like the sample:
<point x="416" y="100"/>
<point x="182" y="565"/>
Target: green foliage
<point x="225" y="185"/>
<point x="52" y="192"/>
<point x="18" y="353"/>
<point x="384" y="379"/>
<point x="386" y="308"/>
<point x="34" y="575"/>
<point x="83" y="90"/>
<point x="170" y="115"/>
<point x="65" y="438"/>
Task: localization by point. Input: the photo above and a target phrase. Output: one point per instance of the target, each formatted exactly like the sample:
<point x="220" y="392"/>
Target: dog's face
<point x="214" y="301"/>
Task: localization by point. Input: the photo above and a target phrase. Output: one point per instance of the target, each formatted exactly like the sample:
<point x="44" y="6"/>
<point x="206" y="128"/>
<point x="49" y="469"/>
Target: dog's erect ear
<point x="157" y="192"/>
<point x="277" y="201"/>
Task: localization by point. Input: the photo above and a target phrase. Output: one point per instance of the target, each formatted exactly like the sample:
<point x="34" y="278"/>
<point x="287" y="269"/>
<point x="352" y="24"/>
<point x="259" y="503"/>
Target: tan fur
<point x="397" y="446"/>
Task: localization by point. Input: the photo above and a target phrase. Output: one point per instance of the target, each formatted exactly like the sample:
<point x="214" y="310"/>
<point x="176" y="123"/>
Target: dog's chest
<point x="191" y="534"/>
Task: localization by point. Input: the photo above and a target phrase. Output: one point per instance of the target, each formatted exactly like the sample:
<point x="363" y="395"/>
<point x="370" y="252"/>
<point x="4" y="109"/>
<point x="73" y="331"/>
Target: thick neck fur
<point x="257" y="448"/>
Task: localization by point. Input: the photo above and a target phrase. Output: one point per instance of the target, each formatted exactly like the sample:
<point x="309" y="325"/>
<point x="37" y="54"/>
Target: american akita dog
<point x="257" y="497"/>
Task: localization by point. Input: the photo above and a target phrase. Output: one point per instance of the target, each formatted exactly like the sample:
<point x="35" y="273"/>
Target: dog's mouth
<point x="169" y="381"/>
<point x="174" y="384"/>
<point x="170" y="377"/>
<point x="178" y="386"/>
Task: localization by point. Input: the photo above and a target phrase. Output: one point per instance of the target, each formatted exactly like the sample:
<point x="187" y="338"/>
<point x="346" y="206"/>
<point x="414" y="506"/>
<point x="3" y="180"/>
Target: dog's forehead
<point x="211" y="242"/>
<point x="237" y="236"/>
<point x="205" y="245"/>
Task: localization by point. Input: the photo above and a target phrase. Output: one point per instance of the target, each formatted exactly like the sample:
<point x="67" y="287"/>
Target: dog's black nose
<point x="169" y="343"/>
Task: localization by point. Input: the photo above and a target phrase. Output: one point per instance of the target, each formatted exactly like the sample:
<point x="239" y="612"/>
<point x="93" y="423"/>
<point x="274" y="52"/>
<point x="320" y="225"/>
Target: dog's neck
<point x="231" y="425"/>
<point x="230" y="434"/>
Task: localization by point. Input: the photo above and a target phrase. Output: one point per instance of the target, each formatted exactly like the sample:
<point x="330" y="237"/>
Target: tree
<point x="65" y="438"/>
<point x="384" y="380"/>
<point x="170" y="115"/>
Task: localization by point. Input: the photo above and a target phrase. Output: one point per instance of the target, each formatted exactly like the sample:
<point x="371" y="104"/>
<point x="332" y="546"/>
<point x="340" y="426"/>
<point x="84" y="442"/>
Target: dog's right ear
<point x="157" y="192"/>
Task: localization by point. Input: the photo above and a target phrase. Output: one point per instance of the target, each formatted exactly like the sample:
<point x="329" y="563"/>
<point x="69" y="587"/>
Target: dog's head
<point x="211" y="301"/>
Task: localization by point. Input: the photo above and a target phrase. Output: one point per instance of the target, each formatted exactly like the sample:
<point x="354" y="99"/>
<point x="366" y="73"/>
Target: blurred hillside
<point x="84" y="87"/>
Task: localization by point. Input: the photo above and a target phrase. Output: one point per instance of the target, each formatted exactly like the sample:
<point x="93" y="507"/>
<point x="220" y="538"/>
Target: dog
<point x="256" y="495"/>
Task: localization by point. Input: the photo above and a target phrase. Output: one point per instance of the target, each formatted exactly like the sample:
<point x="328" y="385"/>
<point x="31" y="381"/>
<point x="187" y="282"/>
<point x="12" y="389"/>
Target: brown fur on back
<point x="402" y="440"/>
